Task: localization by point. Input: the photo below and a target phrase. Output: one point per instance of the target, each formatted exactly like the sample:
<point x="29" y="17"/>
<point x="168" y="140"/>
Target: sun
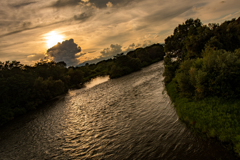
<point x="52" y="38"/>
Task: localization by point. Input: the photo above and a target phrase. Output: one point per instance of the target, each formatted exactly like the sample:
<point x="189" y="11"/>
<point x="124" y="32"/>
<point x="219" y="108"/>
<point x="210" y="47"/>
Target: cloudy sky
<point x="96" y="29"/>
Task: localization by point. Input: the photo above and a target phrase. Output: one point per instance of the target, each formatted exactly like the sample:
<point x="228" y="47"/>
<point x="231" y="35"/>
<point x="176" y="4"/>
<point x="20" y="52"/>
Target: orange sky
<point x="100" y="27"/>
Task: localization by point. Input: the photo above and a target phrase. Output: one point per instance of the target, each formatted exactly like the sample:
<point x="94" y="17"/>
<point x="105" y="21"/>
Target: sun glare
<point x="52" y="38"/>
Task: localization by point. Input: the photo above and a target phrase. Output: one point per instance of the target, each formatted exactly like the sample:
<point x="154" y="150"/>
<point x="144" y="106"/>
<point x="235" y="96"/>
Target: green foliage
<point x="191" y="37"/>
<point x="124" y="64"/>
<point x="205" y="84"/>
<point x="148" y="55"/>
<point x="211" y="71"/>
<point x="214" y="116"/>
<point x="170" y="68"/>
<point x="177" y="40"/>
<point x="216" y="74"/>
<point x="24" y="88"/>
<point x="135" y="60"/>
<point x="76" y="77"/>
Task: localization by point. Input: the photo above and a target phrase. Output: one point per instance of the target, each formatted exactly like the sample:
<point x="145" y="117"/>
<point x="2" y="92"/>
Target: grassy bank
<point x="216" y="117"/>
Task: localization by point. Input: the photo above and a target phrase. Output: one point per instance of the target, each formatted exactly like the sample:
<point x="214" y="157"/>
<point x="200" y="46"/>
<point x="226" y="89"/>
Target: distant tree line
<point x="24" y="88"/>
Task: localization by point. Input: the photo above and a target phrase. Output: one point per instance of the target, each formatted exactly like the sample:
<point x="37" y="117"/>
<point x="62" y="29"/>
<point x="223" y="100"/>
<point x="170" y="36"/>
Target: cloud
<point x="109" y="4"/>
<point x="95" y="60"/>
<point x="131" y="47"/>
<point x="97" y="3"/>
<point x="83" y="16"/>
<point x="80" y="54"/>
<point x="166" y="14"/>
<point x="113" y="50"/>
<point x="21" y="4"/>
<point x="146" y="43"/>
<point x="23" y="22"/>
<point x="35" y="57"/>
<point x="67" y="51"/>
<point x="24" y="27"/>
<point x="103" y="3"/>
<point x="65" y="3"/>
<point x="72" y="3"/>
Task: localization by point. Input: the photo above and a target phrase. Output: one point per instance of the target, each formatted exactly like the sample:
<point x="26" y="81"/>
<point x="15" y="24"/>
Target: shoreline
<point x="209" y="117"/>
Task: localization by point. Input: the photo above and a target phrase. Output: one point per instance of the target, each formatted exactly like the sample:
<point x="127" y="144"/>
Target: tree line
<point x="203" y="78"/>
<point x="207" y="59"/>
<point x="24" y="87"/>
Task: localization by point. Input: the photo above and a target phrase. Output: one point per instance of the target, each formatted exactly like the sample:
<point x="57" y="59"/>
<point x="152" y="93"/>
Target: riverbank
<point x="24" y="88"/>
<point x="216" y="117"/>
<point x="123" y="118"/>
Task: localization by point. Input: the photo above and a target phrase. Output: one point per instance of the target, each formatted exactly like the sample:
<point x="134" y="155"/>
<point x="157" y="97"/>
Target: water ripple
<point x="126" y="118"/>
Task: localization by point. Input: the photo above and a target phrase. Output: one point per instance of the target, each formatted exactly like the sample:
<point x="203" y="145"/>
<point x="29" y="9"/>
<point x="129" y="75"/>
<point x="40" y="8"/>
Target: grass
<point x="216" y="117"/>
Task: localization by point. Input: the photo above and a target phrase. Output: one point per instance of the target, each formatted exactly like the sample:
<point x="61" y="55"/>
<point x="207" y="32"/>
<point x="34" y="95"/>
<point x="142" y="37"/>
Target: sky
<point x="93" y="30"/>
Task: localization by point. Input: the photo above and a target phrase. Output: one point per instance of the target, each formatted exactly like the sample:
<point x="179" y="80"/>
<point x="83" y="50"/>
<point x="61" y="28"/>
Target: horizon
<point x="99" y="29"/>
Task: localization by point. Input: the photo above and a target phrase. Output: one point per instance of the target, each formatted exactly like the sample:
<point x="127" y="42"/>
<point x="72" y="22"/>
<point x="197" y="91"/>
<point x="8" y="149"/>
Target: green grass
<point x="216" y="117"/>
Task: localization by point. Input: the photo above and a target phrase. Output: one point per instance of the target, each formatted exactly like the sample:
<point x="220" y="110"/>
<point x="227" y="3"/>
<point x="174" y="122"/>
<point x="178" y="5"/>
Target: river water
<point x="126" y="118"/>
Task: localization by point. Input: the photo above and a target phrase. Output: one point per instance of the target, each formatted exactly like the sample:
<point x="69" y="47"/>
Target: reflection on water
<point x="96" y="81"/>
<point x="125" y="118"/>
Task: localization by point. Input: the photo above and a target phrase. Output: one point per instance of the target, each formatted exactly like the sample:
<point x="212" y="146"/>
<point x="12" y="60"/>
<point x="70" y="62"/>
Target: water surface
<point x="126" y="118"/>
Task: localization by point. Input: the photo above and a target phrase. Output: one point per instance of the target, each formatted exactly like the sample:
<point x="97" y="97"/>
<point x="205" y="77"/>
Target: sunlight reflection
<point x="52" y="38"/>
<point x="96" y="81"/>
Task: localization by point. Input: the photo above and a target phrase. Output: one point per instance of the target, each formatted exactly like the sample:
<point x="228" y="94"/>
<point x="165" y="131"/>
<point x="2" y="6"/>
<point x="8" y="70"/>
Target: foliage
<point x="24" y="88"/>
<point x="191" y="37"/>
<point x="216" y="74"/>
<point x="135" y="60"/>
<point x="170" y="68"/>
<point x="149" y="54"/>
<point x="214" y="116"/>
<point x="204" y="81"/>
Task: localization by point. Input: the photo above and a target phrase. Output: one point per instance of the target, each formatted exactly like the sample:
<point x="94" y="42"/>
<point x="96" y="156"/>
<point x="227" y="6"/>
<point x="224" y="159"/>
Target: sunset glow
<point x="101" y="28"/>
<point x="52" y="38"/>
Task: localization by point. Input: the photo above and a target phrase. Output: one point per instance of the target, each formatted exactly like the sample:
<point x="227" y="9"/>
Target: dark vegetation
<point x="203" y="80"/>
<point x="24" y="88"/>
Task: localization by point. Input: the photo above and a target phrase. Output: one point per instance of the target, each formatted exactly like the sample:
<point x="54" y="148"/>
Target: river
<point x="130" y="117"/>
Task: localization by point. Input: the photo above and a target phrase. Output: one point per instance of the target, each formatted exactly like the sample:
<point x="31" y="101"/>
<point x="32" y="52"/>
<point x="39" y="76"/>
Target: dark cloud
<point x="146" y="43"/>
<point x="166" y="14"/>
<point x="65" y="51"/>
<point x="81" y="54"/>
<point x="97" y="3"/>
<point x="131" y="47"/>
<point x="83" y="16"/>
<point x="4" y="46"/>
<point x="138" y="45"/>
<point x="141" y="27"/>
<point x="26" y="24"/>
<point x="31" y="28"/>
<point x="65" y="3"/>
<point x="21" y="4"/>
<point x="113" y="50"/>
<point x="91" y="51"/>
<point x="103" y="3"/>
<point x="2" y="14"/>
